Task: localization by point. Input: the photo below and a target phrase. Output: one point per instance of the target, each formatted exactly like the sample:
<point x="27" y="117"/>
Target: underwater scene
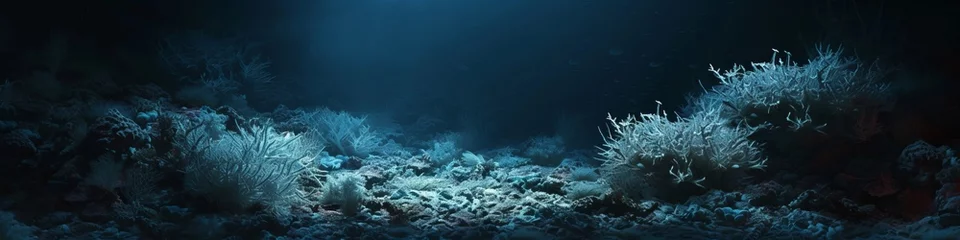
<point x="479" y="119"/>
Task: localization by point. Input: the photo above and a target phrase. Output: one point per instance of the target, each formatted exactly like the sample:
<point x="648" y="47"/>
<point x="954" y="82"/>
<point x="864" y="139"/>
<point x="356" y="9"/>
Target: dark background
<point x="513" y="67"/>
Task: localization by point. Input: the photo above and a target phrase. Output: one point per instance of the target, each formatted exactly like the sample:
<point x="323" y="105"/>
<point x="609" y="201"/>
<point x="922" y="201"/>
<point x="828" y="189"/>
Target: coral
<point x="344" y="190"/>
<point x="689" y="149"/>
<point x="255" y="166"/>
<point x="119" y="133"/>
<point x="222" y="67"/>
<point x="442" y="151"/>
<point x="348" y="135"/>
<point x="920" y="155"/>
<point x="829" y="83"/>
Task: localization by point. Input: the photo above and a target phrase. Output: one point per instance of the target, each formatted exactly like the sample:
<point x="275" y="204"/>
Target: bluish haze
<point x="516" y="66"/>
